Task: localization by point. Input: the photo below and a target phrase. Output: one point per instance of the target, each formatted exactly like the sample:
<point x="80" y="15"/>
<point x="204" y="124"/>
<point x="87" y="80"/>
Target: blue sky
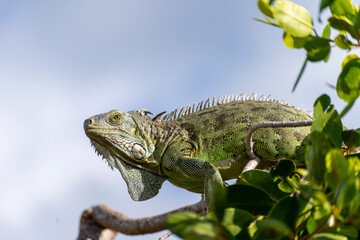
<point x="64" y="61"/>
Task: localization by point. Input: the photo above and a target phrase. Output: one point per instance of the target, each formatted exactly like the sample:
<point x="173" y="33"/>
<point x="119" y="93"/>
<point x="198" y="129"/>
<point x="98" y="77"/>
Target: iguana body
<point x="194" y="149"/>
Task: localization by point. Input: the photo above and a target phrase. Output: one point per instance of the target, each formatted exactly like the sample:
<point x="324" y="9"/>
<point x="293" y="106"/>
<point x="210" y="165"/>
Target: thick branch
<point x="102" y="223"/>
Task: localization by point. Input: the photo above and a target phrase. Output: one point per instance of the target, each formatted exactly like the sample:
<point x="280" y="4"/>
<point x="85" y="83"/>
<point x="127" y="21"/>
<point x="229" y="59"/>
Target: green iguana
<point x="195" y="147"/>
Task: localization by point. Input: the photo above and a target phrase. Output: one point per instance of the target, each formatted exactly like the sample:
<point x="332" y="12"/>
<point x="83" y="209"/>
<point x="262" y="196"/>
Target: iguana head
<point x="118" y="138"/>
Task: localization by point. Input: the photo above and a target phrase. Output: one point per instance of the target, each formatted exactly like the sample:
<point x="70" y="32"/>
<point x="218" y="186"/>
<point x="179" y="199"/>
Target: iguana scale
<point x="197" y="146"/>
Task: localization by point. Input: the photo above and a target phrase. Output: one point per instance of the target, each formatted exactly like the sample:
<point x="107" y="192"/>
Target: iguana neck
<point x="158" y="134"/>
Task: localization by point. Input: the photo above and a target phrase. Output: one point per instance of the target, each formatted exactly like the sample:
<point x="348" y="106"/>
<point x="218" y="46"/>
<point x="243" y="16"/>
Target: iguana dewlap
<point x="195" y="147"/>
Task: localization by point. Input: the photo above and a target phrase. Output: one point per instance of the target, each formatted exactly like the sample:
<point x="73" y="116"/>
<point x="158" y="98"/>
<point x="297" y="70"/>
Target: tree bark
<point x="100" y="222"/>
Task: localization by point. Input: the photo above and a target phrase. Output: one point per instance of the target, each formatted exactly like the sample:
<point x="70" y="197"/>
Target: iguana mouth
<point x="123" y="146"/>
<point x="113" y="156"/>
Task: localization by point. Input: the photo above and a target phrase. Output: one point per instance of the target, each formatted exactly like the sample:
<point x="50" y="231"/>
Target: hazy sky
<point x="64" y="61"/>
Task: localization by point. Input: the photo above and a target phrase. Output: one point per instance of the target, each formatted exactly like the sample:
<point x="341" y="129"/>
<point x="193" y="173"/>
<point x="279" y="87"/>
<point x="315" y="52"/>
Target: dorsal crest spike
<point x="207" y="103"/>
<point x="228" y="99"/>
<point x="219" y="100"/>
<point x="251" y="96"/>
<point x="243" y="97"/>
<point x="201" y="105"/>
<point x="299" y="107"/>
<point x="159" y="115"/>
<point x="173" y="114"/>
<point x="188" y="111"/>
<point x="144" y="112"/>
<point x="185" y="110"/>
<point x="224" y="100"/>
<point x="180" y="112"/>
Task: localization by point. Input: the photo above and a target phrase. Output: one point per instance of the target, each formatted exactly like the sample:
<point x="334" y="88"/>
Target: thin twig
<point x="166" y="236"/>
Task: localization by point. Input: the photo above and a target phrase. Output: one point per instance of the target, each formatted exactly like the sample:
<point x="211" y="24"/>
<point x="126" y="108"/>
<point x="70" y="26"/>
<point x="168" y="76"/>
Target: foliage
<point x="323" y="200"/>
<point x="299" y="32"/>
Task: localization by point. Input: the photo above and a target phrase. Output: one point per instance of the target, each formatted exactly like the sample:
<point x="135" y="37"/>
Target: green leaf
<point x="316" y="156"/>
<point x="344" y="194"/>
<point x="327" y="120"/>
<point x="283" y="169"/>
<point x="190" y="226"/>
<point x="354" y="162"/>
<point x="324" y="4"/>
<point x="342" y="8"/>
<point x="351" y="138"/>
<point x="313" y="191"/>
<point x="265" y="7"/>
<point x="290" y="184"/>
<point x="317" y="49"/>
<point x="356" y="23"/>
<point x="294" y="19"/>
<point x="306" y="208"/>
<point x="354" y="209"/>
<point x="356" y="223"/>
<point x="341" y="23"/>
<point x="326" y="35"/>
<point x="293" y="42"/>
<point x="286" y="210"/>
<point x="326" y="32"/>
<point x="236" y="220"/>
<point x="338" y="168"/>
<point x="348" y="84"/>
<point x="348" y="231"/>
<point x="263" y="181"/>
<point x="347" y="59"/>
<point x="282" y="172"/>
<point x="320" y="205"/>
<point x="272" y="229"/>
<point x="328" y="236"/>
<point x="318" y="218"/>
<point x="342" y="42"/>
<point x="333" y="127"/>
<point x="322" y="104"/>
<point x="218" y="201"/>
<point x="248" y="198"/>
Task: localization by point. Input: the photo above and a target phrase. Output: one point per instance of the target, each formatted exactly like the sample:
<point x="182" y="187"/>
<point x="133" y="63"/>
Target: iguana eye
<point x="117" y="117"/>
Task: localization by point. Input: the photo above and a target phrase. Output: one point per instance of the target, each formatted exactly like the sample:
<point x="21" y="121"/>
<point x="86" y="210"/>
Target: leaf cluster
<point x="300" y="33"/>
<point x="321" y="201"/>
<point x="324" y="204"/>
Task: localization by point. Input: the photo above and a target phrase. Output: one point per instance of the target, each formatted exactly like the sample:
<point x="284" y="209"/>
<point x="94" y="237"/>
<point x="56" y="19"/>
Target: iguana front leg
<point x="193" y="174"/>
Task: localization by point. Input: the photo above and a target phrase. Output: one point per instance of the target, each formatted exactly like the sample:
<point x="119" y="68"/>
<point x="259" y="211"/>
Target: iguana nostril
<point x="138" y="151"/>
<point x="88" y="122"/>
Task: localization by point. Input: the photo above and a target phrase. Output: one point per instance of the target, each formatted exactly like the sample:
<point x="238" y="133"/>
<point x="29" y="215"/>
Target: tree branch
<point x="100" y="222"/>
